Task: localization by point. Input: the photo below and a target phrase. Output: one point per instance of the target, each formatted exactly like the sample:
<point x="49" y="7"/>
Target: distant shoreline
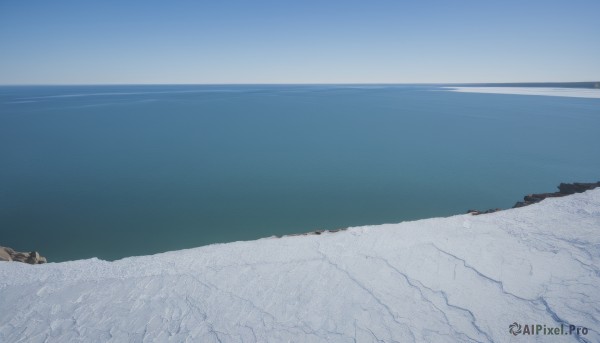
<point x="590" y="93"/>
<point x="586" y="84"/>
<point x="576" y="84"/>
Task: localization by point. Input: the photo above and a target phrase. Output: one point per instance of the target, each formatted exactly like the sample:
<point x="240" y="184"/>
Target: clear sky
<point x="302" y="41"/>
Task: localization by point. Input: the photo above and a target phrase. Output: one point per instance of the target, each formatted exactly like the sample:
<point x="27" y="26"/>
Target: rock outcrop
<point x="8" y="254"/>
<point x="563" y="189"/>
<point x="315" y="232"/>
<point x="491" y="210"/>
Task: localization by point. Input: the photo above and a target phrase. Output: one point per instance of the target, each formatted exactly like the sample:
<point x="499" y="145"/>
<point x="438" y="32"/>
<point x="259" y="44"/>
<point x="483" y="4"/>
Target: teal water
<point x="115" y="171"/>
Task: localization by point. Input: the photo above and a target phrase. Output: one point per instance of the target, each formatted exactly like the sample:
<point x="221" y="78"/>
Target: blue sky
<point x="304" y="41"/>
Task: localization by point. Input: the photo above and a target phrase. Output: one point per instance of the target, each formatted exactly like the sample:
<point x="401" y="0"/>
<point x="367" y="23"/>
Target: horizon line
<point x="293" y="84"/>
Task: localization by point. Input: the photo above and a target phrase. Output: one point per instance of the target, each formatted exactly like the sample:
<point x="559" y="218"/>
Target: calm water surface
<point x="115" y="171"/>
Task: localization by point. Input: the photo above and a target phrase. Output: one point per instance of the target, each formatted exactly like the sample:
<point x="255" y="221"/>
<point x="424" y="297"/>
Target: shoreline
<point x="459" y="278"/>
<point x="564" y="189"/>
<point x="588" y="93"/>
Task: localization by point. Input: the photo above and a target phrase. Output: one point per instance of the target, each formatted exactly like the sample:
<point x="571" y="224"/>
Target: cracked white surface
<point x="463" y="278"/>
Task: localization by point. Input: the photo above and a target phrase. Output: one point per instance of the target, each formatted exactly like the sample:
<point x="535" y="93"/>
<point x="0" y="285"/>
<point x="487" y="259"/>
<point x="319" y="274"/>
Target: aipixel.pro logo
<point x="516" y="329"/>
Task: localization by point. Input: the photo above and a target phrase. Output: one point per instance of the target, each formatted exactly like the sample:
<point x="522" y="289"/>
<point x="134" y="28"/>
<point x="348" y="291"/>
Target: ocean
<point x="117" y="171"/>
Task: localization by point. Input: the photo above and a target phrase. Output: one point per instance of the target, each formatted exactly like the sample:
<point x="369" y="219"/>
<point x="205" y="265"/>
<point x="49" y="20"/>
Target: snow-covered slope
<point x="463" y="278"/>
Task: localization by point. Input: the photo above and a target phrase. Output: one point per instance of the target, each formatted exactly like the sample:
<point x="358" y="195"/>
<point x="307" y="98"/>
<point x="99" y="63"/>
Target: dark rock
<point x="563" y="189"/>
<point x="533" y="198"/>
<point x="520" y="204"/>
<point x="477" y="212"/>
<point x="572" y="188"/>
<point x="35" y="258"/>
<point x="315" y="232"/>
